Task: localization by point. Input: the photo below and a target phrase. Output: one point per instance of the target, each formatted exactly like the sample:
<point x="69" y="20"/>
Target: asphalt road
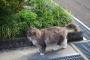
<point x="79" y="8"/>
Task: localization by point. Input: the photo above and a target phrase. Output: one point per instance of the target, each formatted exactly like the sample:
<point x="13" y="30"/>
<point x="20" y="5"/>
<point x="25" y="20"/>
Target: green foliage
<point x="27" y="15"/>
<point x="13" y="31"/>
<point x="16" y="25"/>
<point x="15" y="19"/>
<point x="8" y="8"/>
<point x="49" y="13"/>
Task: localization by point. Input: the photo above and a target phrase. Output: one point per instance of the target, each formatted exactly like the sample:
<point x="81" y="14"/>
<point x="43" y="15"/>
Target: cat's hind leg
<point x="42" y="48"/>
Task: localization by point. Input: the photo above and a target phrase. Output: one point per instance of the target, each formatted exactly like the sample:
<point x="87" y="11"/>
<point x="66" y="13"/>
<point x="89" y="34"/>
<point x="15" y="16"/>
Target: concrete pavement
<point x="79" y="8"/>
<point x="31" y="53"/>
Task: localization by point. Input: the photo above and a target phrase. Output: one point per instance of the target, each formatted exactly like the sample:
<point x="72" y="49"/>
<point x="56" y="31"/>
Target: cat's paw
<point x="42" y="54"/>
<point x="54" y="49"/>
<point x="64" y="46"/>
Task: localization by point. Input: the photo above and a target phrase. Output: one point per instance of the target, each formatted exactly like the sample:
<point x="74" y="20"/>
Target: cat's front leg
<point x="64" y="43"/>
<point x="42" y="48"/>
<point x="41" y="51"/>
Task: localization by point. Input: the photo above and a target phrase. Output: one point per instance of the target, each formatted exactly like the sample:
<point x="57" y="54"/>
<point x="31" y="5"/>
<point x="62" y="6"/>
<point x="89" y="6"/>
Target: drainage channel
<point x="73" y="57"/>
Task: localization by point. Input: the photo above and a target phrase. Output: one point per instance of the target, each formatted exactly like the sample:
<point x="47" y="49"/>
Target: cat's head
<point x="32" y="35"/>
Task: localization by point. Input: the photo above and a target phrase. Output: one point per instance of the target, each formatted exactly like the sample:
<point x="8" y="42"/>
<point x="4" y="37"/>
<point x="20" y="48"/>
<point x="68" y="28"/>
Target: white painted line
<point x="81" y="22"/>
<point x="84" y="56"/>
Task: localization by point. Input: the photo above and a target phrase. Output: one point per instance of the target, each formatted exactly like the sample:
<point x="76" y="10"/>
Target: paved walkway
<point x="30" y="53"/>
<point x="79" y="8"/>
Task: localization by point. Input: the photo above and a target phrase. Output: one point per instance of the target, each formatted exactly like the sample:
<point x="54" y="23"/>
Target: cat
<point x="53" y="35"/>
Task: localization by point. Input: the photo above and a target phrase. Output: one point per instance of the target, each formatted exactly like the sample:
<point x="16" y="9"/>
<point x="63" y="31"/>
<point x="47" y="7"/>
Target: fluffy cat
<point x="42" y="37"/>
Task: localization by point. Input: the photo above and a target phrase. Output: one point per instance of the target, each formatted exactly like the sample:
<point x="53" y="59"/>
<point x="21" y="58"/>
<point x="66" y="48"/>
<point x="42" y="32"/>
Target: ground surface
<point x="79" y="8"/>
<point x="30" y="53"/>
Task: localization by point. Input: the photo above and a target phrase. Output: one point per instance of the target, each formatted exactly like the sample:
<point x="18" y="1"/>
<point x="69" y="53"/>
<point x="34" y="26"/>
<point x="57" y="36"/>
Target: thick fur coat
<point x="53" y="35"/>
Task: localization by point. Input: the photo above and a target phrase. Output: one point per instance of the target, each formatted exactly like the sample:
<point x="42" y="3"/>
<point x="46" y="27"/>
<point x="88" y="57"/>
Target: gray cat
<point x="53" y="35"/>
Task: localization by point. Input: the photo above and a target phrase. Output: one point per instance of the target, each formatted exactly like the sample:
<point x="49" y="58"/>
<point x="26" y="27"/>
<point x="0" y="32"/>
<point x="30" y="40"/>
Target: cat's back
<point x="51" y="28"/>
<point x="54" y="29"/>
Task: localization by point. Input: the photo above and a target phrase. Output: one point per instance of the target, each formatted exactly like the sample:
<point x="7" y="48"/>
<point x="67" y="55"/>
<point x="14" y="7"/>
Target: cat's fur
<point x="42" y="37"/>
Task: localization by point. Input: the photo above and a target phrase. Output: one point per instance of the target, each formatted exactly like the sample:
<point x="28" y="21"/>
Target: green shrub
<point x="40" y="14"/>
<point x="49" y="13"/>
<point x="16" y="25"/>
<point x="27" y="15"/>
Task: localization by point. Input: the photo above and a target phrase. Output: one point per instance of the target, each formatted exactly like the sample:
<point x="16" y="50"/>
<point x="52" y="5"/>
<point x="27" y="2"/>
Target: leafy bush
<point x="39" y="14"/>
<point x="49" y="13"/>
<point x="17" y="24"/>
<point x="27" y="15"/>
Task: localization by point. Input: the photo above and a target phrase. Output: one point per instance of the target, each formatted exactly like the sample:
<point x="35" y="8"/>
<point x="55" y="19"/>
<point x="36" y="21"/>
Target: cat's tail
<point x="73" y="26"/>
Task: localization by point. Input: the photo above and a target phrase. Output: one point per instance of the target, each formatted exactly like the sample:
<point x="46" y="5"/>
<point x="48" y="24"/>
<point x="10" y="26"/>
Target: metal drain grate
<point x="74" y="57"/>
<point x="84" y="47"/>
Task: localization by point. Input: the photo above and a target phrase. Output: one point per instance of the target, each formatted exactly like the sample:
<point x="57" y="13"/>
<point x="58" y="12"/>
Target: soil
<point x="14" y="44"/>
